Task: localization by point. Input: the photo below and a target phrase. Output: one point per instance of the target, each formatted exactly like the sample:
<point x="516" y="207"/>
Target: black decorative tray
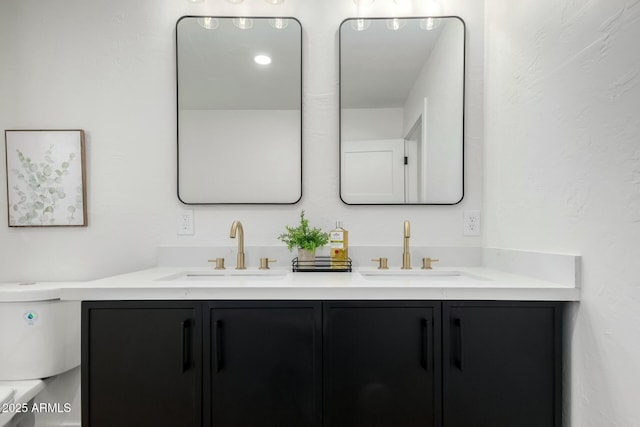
<point x="321" y="264"/>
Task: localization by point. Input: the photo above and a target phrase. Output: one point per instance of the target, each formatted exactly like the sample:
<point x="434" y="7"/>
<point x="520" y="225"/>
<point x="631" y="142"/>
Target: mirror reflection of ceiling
<point x="211" y="58"/>
<point x="393" y="70"/>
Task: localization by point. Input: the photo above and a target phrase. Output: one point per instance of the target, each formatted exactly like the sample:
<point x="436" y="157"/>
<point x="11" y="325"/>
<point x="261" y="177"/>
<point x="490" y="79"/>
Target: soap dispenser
<point x="339" y="246"/>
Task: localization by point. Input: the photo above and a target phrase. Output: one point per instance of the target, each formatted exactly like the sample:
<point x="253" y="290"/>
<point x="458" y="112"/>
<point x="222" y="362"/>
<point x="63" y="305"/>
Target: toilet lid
<point x="6" y="395"/>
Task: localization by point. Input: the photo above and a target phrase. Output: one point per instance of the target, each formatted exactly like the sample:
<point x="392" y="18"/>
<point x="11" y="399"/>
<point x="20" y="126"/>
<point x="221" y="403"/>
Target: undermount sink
<point x="210" y="275"/>
<point x="429" y="275"/>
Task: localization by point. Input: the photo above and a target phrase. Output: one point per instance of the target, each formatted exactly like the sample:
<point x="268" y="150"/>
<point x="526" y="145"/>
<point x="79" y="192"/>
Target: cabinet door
<point x="502" y="364"/>
<point x="382" y="365"/>
<point x="141" y="364"/>
<point x="265" y="364"/>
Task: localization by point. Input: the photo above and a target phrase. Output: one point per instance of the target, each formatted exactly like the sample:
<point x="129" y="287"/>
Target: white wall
<point x="562" y="165"/>
<point x="222" y="151"/>
<point x="440" y="83"/>
<point x="108" y="67"/>
<point x="360" y="124"/>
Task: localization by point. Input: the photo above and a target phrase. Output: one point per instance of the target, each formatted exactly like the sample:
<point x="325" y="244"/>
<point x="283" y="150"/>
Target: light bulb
<point x="278" y="23"/>
<point x="275" y="2"/>
<point x="243" y="23"/>
<point x="208" y="22"/>
<point x="235" y="1"/>
<point x="395" y="24"/>
<point x="360" y="24"/>
<point x="195" y="1"/>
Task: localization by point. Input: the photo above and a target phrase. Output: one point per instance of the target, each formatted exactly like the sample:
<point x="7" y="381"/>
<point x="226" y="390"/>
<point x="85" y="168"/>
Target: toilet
<point x="39" y="338"/>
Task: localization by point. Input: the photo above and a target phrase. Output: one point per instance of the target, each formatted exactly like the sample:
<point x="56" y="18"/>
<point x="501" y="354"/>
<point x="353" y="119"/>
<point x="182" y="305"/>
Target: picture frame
<point x="46" y="178"/>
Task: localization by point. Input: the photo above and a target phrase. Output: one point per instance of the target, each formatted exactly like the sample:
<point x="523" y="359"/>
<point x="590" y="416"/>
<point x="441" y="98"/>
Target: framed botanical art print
<point x="46" y="178"/>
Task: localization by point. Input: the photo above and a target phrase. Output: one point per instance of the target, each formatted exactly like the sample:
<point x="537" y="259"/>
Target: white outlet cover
<point x="471" y="223"/>
<point x="185" y="223"/>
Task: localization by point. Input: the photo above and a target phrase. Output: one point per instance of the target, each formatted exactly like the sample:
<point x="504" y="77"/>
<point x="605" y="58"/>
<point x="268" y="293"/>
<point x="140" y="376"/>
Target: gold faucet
<point x="406" y="255"/>
<point x="237" y="226"/>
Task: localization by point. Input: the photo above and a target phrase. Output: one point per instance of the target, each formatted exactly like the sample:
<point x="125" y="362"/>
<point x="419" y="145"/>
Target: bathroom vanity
<point x="199" y="348"/>
<point x="314" y="363"/>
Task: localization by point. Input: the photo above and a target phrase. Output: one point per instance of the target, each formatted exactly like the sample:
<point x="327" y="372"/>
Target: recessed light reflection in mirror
<point x="262" y="59"/>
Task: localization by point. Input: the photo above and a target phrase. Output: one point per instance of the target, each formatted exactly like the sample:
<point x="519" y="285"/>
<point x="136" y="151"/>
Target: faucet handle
<point x="426" y="263"/>
<point x="264" y="263"/>
<point x="219" y="263"/>
<point x="382" y="263"/>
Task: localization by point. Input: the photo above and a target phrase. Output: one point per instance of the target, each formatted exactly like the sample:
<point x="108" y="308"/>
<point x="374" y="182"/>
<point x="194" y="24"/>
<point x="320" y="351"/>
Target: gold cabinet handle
<point x="382" y="263"/>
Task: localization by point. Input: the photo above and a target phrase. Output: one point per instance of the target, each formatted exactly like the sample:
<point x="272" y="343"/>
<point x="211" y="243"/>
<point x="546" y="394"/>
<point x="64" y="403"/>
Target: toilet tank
<point x="38" y="339"/>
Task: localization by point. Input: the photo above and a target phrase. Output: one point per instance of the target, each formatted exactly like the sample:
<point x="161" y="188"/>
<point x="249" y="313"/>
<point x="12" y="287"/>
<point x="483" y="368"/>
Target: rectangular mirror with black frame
<point x="239" y="110"/>
<point x="402" y="86"/>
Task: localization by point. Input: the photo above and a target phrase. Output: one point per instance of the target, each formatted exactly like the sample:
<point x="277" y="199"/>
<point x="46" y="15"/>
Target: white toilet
<point x="39" y="338"/>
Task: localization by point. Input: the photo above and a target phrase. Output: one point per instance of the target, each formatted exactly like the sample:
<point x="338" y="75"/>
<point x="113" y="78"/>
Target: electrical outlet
<point x="471" y="223"/>
<point x="185" y="223"/>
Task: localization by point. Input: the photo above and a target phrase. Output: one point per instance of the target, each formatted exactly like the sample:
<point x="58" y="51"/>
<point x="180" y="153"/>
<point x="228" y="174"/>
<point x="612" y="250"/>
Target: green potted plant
<point x="305" y="238"/>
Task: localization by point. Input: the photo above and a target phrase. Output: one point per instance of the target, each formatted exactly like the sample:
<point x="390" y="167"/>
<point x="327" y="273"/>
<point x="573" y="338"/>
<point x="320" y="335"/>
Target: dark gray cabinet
<point x="265" y="368"/>
<point x="330" y="364"/>
<point x="502" y="364"/>
<point x="192" y="364"/>
<point x="382" y="364"/>
<point x="141" y="364"/>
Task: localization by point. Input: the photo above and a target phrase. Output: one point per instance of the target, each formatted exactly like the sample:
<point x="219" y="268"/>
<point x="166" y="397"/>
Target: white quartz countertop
<point x="30" y="291"/>
<point x="451" y="283"/>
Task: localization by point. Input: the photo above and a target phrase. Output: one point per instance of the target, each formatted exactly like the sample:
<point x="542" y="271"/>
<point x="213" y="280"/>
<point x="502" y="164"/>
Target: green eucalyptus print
<point x="41" y="192"/>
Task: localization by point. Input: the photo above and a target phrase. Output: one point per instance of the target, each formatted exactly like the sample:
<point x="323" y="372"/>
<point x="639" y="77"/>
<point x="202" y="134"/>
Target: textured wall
<point x="108" y="67"/>
<point x="562" y="168"/>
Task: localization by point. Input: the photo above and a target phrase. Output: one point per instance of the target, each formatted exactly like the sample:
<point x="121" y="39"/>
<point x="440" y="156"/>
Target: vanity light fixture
<point x="278" y="23"/>
<point x="395" y="24"/>
<point x="360" y="24"/>
<point x="209" y="23"/>
<point x="262" y="59"/>
<point x="243" y="23"/>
